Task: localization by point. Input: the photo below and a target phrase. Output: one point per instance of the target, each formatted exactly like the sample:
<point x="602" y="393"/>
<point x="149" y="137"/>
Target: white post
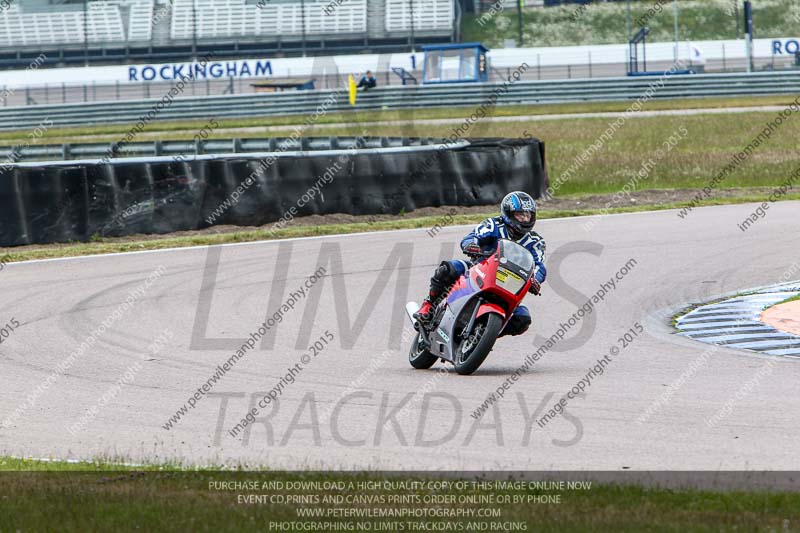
<point x="724" y="65"/>
<point x="590" y="63"/>
<point x="628" y="24"/>
<point x="675" y="10"/>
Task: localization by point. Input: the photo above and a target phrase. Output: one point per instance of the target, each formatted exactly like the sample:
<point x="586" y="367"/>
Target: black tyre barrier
<point x="62" y="201"/>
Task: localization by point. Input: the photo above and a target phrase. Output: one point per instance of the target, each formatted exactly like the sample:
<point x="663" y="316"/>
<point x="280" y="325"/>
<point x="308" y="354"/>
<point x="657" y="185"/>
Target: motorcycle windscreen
<point x="516" y="266"/>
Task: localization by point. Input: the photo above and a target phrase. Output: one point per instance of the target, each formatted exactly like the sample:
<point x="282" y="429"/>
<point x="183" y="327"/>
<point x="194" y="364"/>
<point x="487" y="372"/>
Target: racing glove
<point x="535" y="288"/>
<point x="473" y="250"/>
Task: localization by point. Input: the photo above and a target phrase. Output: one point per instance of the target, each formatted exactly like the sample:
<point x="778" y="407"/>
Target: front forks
<point x="423" y="334"/>
<point x="468" y="327"/>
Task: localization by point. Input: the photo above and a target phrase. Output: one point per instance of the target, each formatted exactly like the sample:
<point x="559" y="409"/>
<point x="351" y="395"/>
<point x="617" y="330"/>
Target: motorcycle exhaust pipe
<point x="411" y="308"/>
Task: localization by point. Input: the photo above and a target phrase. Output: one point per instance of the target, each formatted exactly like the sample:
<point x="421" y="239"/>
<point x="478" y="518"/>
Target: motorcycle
<point x="469" y="318"/>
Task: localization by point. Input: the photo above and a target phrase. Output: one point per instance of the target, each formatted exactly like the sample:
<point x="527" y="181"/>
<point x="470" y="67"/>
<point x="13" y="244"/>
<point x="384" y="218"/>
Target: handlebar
<point x="482" y="255"/>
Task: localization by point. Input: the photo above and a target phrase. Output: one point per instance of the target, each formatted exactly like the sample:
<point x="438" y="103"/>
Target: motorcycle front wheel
<point x="419" y="357"/>
<point x="472" y="350"/>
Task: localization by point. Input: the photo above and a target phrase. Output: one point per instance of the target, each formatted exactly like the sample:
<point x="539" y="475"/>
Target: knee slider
<point x="444" y="277"/>
<point x="518" y="324"/>
<point x="446" y="273"/>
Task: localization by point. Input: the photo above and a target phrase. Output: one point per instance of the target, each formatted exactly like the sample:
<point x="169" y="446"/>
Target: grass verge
<point x="157" y="242"/>
<point x="127" y="499"/>
<point x="656" y="152"/>
<point x="581" y="155"/>
<point x="792" y="299"/>
<point x="185" y="129"/>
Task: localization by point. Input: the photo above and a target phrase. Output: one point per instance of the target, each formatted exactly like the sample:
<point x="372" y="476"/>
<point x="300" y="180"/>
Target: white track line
<point x="513" y="118"/>
<point x="552" y="116"/>
<point x="250" y="243"/>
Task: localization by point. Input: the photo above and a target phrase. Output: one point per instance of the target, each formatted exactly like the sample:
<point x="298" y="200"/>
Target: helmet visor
<point x="523" y="217"/>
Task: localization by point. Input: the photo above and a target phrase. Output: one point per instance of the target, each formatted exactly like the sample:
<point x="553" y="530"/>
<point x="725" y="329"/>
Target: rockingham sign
<point x="201" y="71"/>
<point x="785" y="46"/>
<point x="254" y="68"/>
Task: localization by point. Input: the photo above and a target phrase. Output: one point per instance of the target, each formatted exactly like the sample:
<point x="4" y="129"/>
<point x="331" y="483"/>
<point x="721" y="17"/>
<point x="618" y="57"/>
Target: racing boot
<point x="425" y="313"/>
<point x="442" y="280"/>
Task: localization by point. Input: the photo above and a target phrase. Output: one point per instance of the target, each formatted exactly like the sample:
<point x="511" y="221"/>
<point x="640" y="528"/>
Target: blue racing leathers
<point x="486" y="234"/>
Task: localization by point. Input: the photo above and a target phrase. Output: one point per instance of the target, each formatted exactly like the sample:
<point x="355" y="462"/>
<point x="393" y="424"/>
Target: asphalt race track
<point x="389" y="416"/>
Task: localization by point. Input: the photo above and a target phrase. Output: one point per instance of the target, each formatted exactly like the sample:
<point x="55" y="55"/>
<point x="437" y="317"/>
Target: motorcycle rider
<point x="516" y="221"/>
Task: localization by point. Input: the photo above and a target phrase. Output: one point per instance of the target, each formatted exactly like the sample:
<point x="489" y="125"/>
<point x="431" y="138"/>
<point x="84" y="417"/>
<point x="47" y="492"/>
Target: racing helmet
<point x="515" y="202"/>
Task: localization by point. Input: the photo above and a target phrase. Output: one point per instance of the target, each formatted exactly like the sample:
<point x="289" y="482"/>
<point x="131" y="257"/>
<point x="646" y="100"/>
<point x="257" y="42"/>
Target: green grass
<point x="710" y="143"/>
<point x="21" y="464"/>
<point x="96" y="498"/>
<point x="182" y="129"/>
<point x="605" y="22"/>
<point x="110" y="245"/>
<point x="792" y="299"/>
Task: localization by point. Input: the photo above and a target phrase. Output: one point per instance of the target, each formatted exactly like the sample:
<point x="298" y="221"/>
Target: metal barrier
<point x="179" y="151"/>
<point x="470" y="95"/>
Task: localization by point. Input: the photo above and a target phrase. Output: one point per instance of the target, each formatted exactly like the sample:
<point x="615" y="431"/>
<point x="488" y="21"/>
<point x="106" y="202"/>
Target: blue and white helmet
<point x="514" y="202"/>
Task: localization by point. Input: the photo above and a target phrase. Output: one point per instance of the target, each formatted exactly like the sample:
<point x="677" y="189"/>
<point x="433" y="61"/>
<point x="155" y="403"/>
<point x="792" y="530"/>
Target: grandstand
<point x="106" y="31"/>
<point x="223" y="19"/>
<point x="38" y="25"/>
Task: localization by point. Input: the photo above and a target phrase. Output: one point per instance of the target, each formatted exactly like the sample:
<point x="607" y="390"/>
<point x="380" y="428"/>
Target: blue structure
<point x="455" y="63"/>
<point x="633" y="58"/>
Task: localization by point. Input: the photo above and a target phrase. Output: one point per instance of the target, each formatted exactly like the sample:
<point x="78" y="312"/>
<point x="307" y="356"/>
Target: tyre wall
<point x="60" y="201"/>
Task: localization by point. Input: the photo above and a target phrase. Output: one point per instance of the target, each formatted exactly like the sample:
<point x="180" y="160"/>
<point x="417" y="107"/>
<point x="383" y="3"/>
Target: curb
<point x="736" y="322"/>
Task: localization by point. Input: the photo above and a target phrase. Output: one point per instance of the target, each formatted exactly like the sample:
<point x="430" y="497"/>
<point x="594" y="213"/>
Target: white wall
<point x="346" y="64"/>
<point x="618" y="53"/>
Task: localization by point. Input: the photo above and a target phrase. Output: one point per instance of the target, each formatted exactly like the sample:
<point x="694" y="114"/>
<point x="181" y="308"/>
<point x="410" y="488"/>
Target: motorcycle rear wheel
<point x="419" y="357"/>
<point x="472" y="351"/>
